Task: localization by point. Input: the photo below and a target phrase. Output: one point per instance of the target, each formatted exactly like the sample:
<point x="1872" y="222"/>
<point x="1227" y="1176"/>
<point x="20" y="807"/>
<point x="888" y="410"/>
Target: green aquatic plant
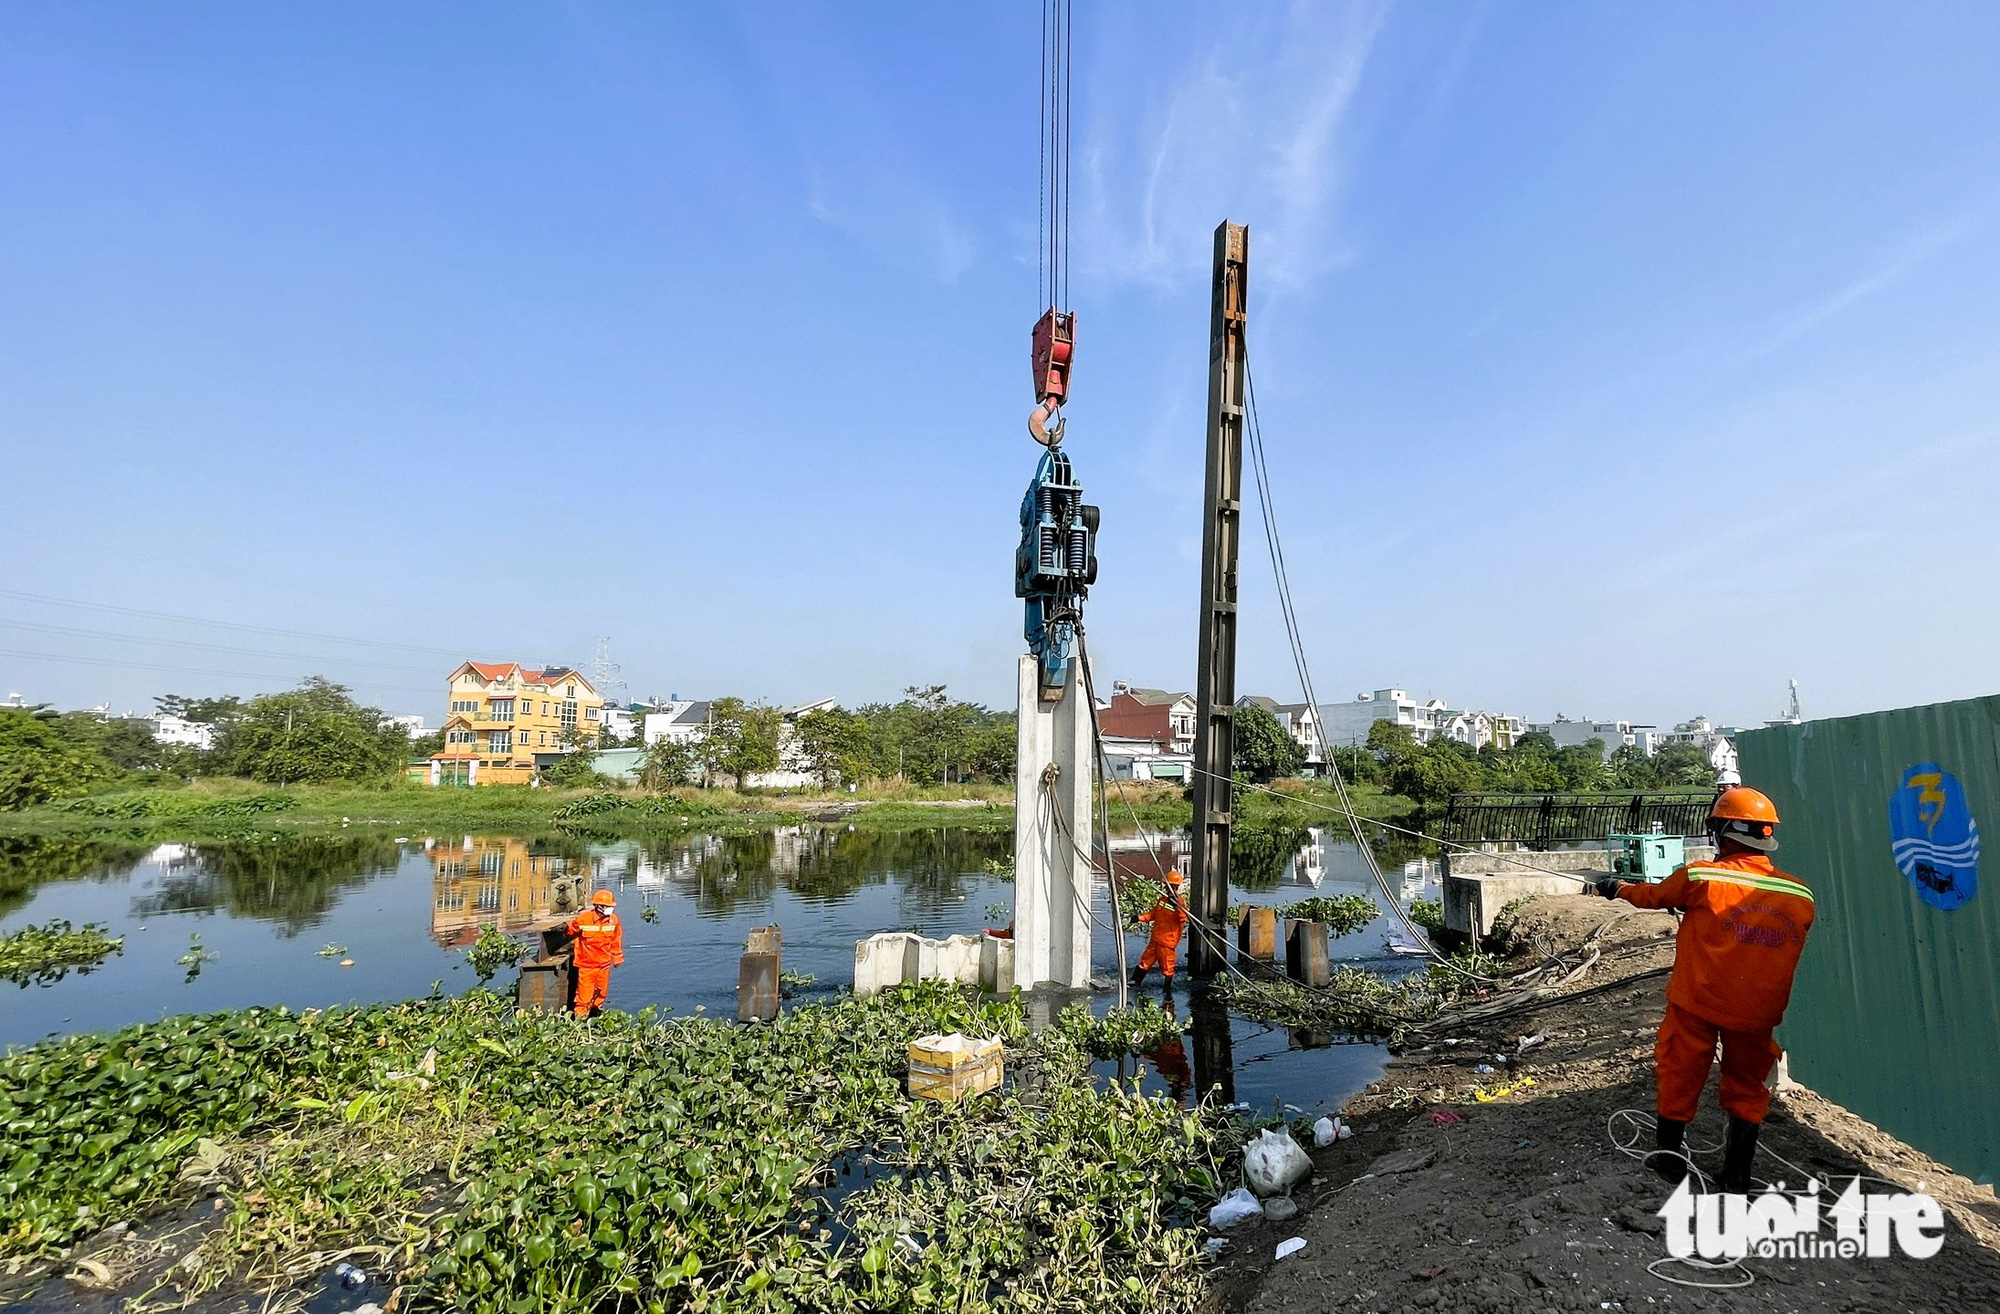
<point x="333" y="951"/>
<point x="1342" y="914"/>
<point x="196" y="957"/>
<point x="649" y="913"/>
<point x="791" y="983"/>
<point x="498" y="1161"/>
<point x="1429" y="914"/>
<point x="45" y="954"/>
<point x="494" y="952"/>
<point x="1354" y="1001"/>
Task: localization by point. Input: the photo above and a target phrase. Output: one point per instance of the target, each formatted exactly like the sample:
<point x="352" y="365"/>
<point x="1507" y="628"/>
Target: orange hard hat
<point x="1746" y="816"/>
<point x="603" y="899"/>
<point x="1174" y="877"/>
<point x="1742" y="803"/>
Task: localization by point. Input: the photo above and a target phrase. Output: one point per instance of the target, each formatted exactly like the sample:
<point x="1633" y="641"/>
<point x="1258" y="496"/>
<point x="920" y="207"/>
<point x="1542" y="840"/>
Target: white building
<point x="413" y="726"/>
<point x="1717" y="742"/>
<point x="686" y="721"/>
<point x="1614" y="735"/>
<point x="1129" y="758"/>
<point x="1300" y="720"/>
<point x="618" y="722"/>
<point x="1346" y="725"/>
<point x="182" y="733"/>
<point x="679" y="719"/>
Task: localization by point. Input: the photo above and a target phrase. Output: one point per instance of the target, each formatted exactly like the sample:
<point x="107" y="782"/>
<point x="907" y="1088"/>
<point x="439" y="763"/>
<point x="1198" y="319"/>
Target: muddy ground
<point x="1524" y="1204"/>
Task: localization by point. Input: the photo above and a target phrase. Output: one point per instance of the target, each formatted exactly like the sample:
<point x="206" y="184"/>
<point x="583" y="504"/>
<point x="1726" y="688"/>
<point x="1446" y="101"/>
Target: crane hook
<point x="1038" y="420"/>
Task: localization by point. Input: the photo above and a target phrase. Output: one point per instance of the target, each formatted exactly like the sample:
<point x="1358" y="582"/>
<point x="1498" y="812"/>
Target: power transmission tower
<point x="604" y="671"/>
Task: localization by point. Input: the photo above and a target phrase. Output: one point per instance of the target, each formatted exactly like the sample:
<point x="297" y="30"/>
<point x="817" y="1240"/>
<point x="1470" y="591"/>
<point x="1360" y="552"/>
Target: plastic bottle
<point x="350" y="1277"/>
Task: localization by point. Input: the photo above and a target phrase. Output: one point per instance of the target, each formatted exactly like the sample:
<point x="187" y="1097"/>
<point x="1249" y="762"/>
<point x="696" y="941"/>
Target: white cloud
<point x="1251" y="130"/>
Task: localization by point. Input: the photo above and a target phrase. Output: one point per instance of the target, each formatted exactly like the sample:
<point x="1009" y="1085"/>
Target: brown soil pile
<point x="1523" y="1204"/>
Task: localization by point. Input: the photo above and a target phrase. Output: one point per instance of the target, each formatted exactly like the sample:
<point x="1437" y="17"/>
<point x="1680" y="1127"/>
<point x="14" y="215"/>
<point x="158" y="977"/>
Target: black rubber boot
<point x="1738" y="1151"/>
<point x="1669" y="1157"/>
<point x="1138" y="977"/>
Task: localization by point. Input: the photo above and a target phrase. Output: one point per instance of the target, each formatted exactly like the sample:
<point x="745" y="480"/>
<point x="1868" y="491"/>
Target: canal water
<point x="221" y="925"/>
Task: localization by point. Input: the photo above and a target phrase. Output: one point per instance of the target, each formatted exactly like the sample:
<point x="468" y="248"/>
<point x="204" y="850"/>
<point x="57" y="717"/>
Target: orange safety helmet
<point x="604" y="899"/>
<point x="1746" y="816"/>
<point x="1175" y="878"/>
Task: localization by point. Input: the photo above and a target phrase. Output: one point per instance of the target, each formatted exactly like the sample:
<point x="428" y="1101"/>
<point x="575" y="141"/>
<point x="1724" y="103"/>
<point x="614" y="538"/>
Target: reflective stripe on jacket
<point x="597" y="941"/>
<point x="1740" y="941"/>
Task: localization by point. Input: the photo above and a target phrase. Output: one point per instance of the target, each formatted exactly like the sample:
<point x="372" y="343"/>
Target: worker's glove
<point x="1608" y="887"/>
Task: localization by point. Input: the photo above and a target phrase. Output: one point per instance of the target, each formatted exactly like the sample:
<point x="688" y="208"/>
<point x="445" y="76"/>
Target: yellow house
<point x="502" y="718"/>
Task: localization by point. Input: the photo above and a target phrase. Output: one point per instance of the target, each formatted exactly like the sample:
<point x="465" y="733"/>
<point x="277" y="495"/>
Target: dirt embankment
<point x="1519" y="1203"/>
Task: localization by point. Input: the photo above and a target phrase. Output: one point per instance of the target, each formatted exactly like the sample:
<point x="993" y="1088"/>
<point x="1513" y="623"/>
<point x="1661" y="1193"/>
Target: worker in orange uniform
<point x="1738" y="946"/>
<point x="597" y="944"/>
<point x="1169" y="918"/>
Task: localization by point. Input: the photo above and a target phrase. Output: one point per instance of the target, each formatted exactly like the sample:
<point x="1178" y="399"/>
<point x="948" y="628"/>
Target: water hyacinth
<point x="45" y="954"/>
<point x="502" y="1161"/>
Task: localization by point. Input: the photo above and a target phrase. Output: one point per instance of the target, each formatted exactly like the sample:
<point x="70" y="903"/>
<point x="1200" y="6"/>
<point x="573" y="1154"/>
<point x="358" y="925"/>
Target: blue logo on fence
<point x="1935" y="838"/>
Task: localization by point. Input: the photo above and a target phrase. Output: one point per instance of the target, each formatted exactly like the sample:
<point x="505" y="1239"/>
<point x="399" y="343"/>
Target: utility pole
<point x="1215" y="665"/>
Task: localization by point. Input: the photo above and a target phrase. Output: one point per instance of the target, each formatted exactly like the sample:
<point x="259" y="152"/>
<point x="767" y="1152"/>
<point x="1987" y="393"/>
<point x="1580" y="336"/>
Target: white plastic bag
<point x="1290" y="1246"/>
<point x="1233" y="1208"/>
<point x="1324" y="1132"/>
<point x="1273" y="1161"/>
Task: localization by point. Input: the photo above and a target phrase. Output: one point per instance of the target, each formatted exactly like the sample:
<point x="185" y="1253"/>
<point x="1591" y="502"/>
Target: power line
<point x="188" y="670"/>
<point x="209" y="647"/>
<point x="228" y="625"/>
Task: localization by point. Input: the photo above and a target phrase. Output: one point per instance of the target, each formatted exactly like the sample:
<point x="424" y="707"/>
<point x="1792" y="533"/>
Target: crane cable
<point x="1053" y="218"/>
<point x="1274" y="544"/>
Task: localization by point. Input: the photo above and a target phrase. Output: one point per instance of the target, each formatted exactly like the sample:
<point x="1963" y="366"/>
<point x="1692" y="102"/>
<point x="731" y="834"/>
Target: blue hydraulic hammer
<point x="1054" y="566"/>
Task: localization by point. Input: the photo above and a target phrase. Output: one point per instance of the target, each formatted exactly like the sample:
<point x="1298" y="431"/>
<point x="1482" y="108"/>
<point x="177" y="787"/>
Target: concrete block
<point x="1257" y="934"/>
<point x="1305" y="952"/>
<point x="765" y="940"/>
<point x="885" y="960"/>
<point x="757" y="988"/>
<point x="957" y="959"/>
<point x="1471" y="902"/>
<point x="996" y="964"/>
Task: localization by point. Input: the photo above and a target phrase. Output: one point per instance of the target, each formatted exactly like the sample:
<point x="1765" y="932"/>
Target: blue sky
<point x="1614" y="360"/>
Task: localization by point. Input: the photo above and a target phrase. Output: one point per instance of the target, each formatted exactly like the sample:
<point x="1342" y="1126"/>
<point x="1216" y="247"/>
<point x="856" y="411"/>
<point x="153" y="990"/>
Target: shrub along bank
<point x="491" y="1161"/>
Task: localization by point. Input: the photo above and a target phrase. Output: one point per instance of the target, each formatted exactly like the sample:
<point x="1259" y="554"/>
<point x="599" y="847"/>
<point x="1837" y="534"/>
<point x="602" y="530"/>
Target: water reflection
<point x="518" y="885"/>
<point x="292" y="881"/>
<point x="28" y="861"/>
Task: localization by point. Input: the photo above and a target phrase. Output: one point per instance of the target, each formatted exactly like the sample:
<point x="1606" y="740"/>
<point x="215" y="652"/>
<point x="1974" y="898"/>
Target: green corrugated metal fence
<point x="1896" y="1013"/>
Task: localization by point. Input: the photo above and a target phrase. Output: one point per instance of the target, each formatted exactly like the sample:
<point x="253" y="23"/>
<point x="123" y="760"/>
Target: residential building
<point x="678" y="719"/>
<point x="183" y="733"/>
<point x="1346" y="725"/>
<point x="1300" y="721"/>
<point x="1614" y="735"/>
<point x="1127" y="758"/>
<point x="501" y="716"/>
<point x="1718" y="742"/>
<point x="413" y="726"/>
<point x="1166" y="719"/>
<point x="619" y="721"/>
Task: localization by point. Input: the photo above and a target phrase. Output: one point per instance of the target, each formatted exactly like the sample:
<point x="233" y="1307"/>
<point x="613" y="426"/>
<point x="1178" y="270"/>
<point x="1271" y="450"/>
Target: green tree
<point x="39" y="761"/>
<point x="991" y="748"/>
<point x="741" y="739"/>
<point x="1682" y="764"/>
<point x="311" y="734"/>
<point x="1582" y="766"/>
<point x="1264" y="749"/>
<point x="1390" y="743"/>
<point x="836" y="745"/>
<point x="203" y="711"/>
<point x="669" y="762"/>
<point x="1630" y="768"/>
<point x="1435" y="772"/>
<point x="127" y="743"/>
<point x="577" y="767"/>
